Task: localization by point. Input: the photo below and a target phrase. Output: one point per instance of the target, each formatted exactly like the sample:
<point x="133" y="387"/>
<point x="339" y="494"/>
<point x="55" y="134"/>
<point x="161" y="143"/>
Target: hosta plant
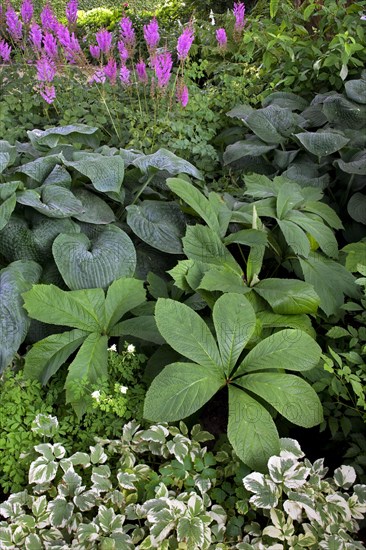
<point x="255" y="379"/>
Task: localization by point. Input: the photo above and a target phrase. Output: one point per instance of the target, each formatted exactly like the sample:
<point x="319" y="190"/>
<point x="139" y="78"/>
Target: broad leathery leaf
<point x="251" y="430"/>
<point x="91" y="365"/>
<point x="74" y="133"/>
<point x="15" y="279"/>
<point x="356" y="90"/>
<point x="241" y="111"/>
<point x="274" y="124"/>
<point x="342" y="113"/>
<point x="46" y="356"/>
<point x="4" y="161"/>
<point x="235" y="322"/>
<point x="79" y="309"/>
<point x="204" y="245"/>
<point x="322" y="144"/>
<point x="196" y="200"/>
<point x="355" y="165"/>
<point x="95" y="209"/>
<point x="243" y="148"/>
<point x="356" y="207"/>
<point x="5" y="147"/>
<point x="159" y="224"/>
<point x="295" y="237"/>
<point x="143" y="327"/>
<point x="185" y="331"/>
<point x="290" y="395"/>
<point x="105" y="173"/>
<point x="85" y="263"/>
<point x="318" y="230"/>
<point x="59" y="176"/>
<point x="52" y="201"/>
<point x="40" y="168"/>
<point x="289" y="349"/>
<point x="6" y="210"/>
<point x="180" y="390"/>
<point x="286" y="100"/>
<point x="8" y="188"/>
<point x="288" y="296"/>
<point x="289" y="197"/>
<point x="122" y="296"/>
<point x="164" y="160"/>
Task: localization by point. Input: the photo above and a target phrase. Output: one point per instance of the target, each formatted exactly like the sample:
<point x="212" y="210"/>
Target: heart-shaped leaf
<point x="95" y="210"/>
<point x="74" y="133"/>
<point x="105" y="173"/>
<point x="52" y="201"/>
<point x="164" y="160"/>
<point x="322" y="144"/>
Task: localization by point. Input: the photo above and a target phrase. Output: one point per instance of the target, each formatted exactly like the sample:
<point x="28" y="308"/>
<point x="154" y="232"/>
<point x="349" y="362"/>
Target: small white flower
<point x="96" y="395"/>
<point x="131" y="348"/>
<point x="123" y="389"/>
<point x="113" y="348"/>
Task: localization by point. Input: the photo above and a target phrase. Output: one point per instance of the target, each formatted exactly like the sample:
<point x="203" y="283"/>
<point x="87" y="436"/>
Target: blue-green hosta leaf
<point x="180" y="390"/>
<point x="290" y="395"/>
<point x="356" y="207"/>
<point x="251" y="430"/>
<point x="6" y="210"/>
<point x="74" y="133"/>
<point x="322" y="144"/>
<point x="46" y="356"/>
<point x="14" y="323"/>
<point x="356" y="165"/>
<point x="288" y="349"/>
<point x="159" y="224"/>
<point x="164" y="160"/>
<point x="123" y="295"/>
<point x="306" y="174"/>
<point x="8" y="188"/>
<point x="191" y="531"/>
<point x="91" y="264"/>
<point x="295" y="237"/>
<point x="285" y="100"/>
<point x="241" y="111"/>
<point x="342" y="113"/>
<point x="90" y="365"/>
<point x="288" y="296"/>
<point x="60" y="511"/>
<point x="5" y="147"/>
<point x="143" y="327"/>
<point x="52" y="201"/>
<point x="59" y="176"/>
<point x="284" y="158"/>
<point x="40" y="168"/>
<point x="318" y="230"/>
<point x="105" y="173"/>
<point x="185" y="331"/>
<point x="4" y="160"/>
<point x="235" y="322"/>
<point x="204" y="245"/>
<point x="95" y="209"/>
<point x="243" y="148"/>
<point x="356" y="90"/>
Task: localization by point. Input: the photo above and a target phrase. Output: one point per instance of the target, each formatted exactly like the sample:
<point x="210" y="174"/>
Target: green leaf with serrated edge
<point x="289" y="197"/>
<point x="324" y="211"/>
<point x="90" y="364"/>
<point x="105" y="173"/>
<point x="222" y="211"/>
<point x="235" y="322"/>
<point x="295" y="237"/>
<point x="196" y="200"/>
<point x="224" y="280"/>
<point x="76" y="309"/>
<point x="275" y="320"/>
<point x="273" y="8"/>
<point x="356" y="254"/>
<point x="185" y="331"/>
<point x="318" y="230"/>
<point x="260" y="187"/>
<point x="60" y="511"/>
<point x="179" y="272"/>
<point x="291" y="396"/>
<point x="48" y="355"/>
<point x="251" y="430"/>
<point x="288" y="349"/>
<point x="322" y="143"/>
<point x="248" y="237"/>
<point x="180" y="390"/>
<point x="6" y="209"/>
<point x="204" y="245"/>
<point x="143" y="327"/>
<point x="288" y="296"/>
<point x="122" y="296"/>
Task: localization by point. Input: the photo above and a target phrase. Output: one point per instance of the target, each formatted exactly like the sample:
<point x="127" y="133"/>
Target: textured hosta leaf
<point x="6" y="210"/>
<point x="251" y="430"/>
<point x="322" y="144"/>
<point x="306" y="174"/>
<point x="288" y="296"/>
<point x="180" y="390"/>
<point x="151" y="259"/>
<point x="356" y="165"/>
<point x="344" y="113"/>
<point x="159" y="224"/>
<point x="285" y="100"/>
<point x="204" y="245"/>
<point x="242" y="148"/>
<point x="295" y="237"/>
<point x="357" y="207"/>
<point x="74" y="133"/>
<point x="356" y="90"/>
<point x="288" y="349"/>
<point x="294" y="398"/>
<point x="92" y="264"/>
<point x="52" y="201"/>
<point x="235" y="322"/>
<point x="95" y="209"/>
<point x="48" y="355"/>
<point x="284" y="158"/>
<point x="191" y="531"/>
<point x="164" y="160"/>
<point x="105" y="173"/>
<point x="60" y="511"/>
<point x="5" y="147"/>
<point x="186" y="332"/>
<point x="8" y="189"/>
<point x="59" y="176"/>
<point x="266" y="492"/>
<point x="122" y="296"/>
<point x="40" y="168"/>
<point x="14" y="280"/>
<point x="318" y="230"/>
<point x="4" y="160"/>
<point x="273" y="124"/>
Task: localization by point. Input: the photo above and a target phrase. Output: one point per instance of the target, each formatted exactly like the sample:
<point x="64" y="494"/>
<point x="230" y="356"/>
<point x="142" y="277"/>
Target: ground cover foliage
<point x="164" y="260"/>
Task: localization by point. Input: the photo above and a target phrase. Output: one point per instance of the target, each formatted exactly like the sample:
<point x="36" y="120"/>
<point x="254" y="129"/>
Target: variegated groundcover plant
<point x="113" y="498"/>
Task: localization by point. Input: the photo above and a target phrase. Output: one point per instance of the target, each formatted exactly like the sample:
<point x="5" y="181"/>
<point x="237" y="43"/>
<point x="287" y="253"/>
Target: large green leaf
<point x="356" y="254"/>
<point x="48" y="355"/>
<point x="356" y="90"/>
<point x="224" y="280"/>
<point x="268" y="319"/>
<point x="248" y="237"/>
<point x="357" y="207"/>
<point x="243" y="148"/>
<point x="289" y="349"/>
<point x="235" y="322"/>
<point x="159" y="224"/>
<point x="289" y="197"/>
<point x="77" y="309"/>
<point x="325" y="212"/>
<point x="290" y="395"/>
<point x="164" y="160"/>
<point x="251" y="430"/>
<point x="322" y="144"/>
<point x="273" y="124"/>
<point x="204" y="245"/>
<point x="285" y="100"/>
<point x="95" y="209"/>
<point x="143" y="327"/>
<point x="90" y="365"/>
<point x="85" y="263"/>
<point x="179" y="391"/>
<point x="40" y="168"/>
<point x="295" y="237"/>
<point x="105" y="173"/>
<point x="318" y="230"/>
<point x="8" y="189"/>
<point x="122" y="296"/>
<point x="187" y="333"/>
<point x="74" y="133"/>
<point x="356" y="165"/>
<point x="52" y="201"/>
<point x="288" y="296"/>
<point x="6" y="210"/>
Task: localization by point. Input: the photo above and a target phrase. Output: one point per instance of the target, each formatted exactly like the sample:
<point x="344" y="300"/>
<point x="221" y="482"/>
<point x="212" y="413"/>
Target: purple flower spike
<point x="141" y="71"/>
<point x="123" y="51"/>
<point x="127" y="33"/>
<point x="110" y="70"/>
<point x="163" y="66"/>
<point x="182" y="94"/>
<point x="5" y="50"/>
<point x="72" y="11"/>
<point x="239" y="13"/>
<point x="104" y="40"/>
<point x="46" y="69"/>
<point x="50" y="46"/>
<point x="13" y="24"/>
<point x="184" y="43"/>
<point x="221" y="38"/>
<point x="26" y="11"/>
<point x="94" y="51"/>
<point x="151" y="34"/>
<point x="124" y="75"/>
<point x="48" y="93"/>
<point x="48" y="19"/>
<point x="35" y="36"/>
<point x="98" y="77"/>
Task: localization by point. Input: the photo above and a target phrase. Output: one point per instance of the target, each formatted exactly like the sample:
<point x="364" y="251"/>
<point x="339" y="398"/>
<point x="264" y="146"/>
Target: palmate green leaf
<point x="251" y="430"/>
<point x="318" y="230"/>
<point x="290" y="395"/>
<point x="268" y="319"/>
<point x="6" y="210"/>
<point x="105" y="173"/>
<point x="122" y="296"/>
<point x="235" y="322"/>
<point x="325" y="212"/>
<point x="248" y="237"/>
<point x="288" y="296"/>
<point x="289" y="349"/>
<point x="322" y="144"/>
<point x="52" y="201"/>
<point x="73" y="133"/>
<point x="46" y="356"/>
<point x="185" y="331"/>
<point x="295" y="237"/>
<point x="289" y="197"/>
<point x="180" y="390"/>
<point x="80" y="309"/>
<point x="95" y="263"/>
<point x="224" y="280"/>
<point x="143" y="327"/>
